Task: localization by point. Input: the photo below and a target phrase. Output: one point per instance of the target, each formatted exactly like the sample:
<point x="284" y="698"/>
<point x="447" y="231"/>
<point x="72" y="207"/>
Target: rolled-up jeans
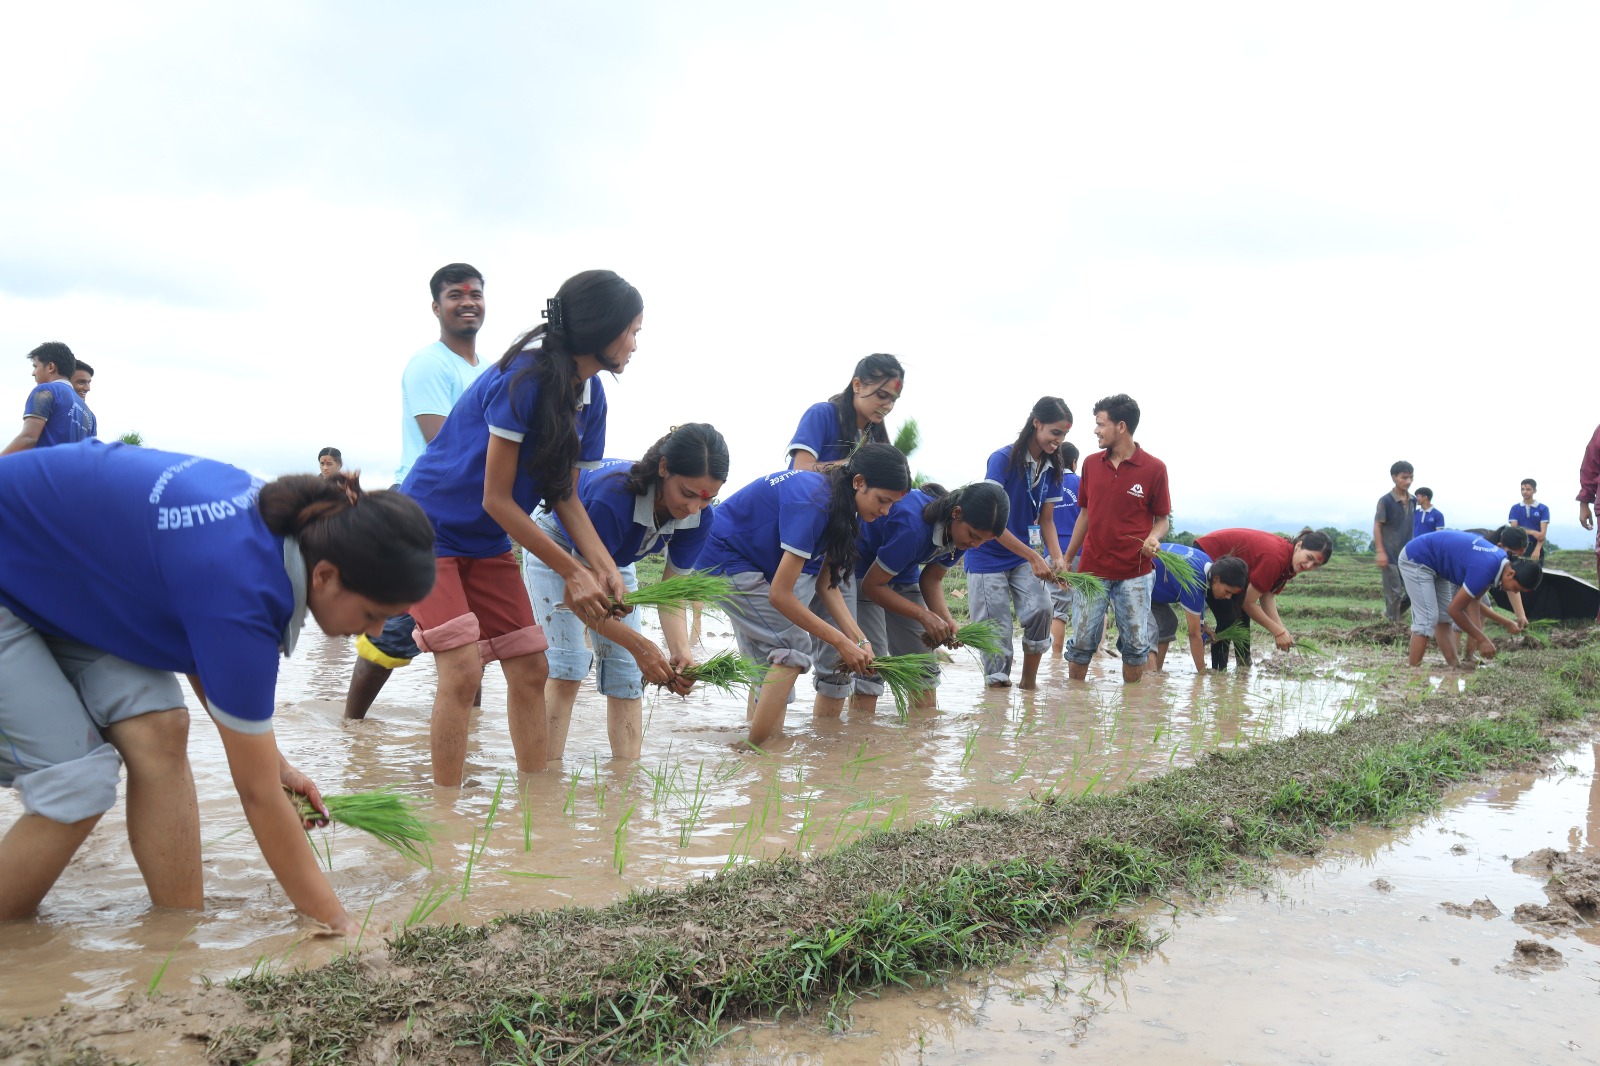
<point x="1130" y="602"/>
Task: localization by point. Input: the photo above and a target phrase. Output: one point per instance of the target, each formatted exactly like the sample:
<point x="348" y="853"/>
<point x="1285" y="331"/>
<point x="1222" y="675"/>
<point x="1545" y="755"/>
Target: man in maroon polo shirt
<point x="1123" y="511"/>
<point x="1588" y="488"/>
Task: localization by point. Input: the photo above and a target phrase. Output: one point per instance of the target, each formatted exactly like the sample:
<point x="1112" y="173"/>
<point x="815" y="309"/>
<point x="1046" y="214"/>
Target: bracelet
<point x="862" y="643"/>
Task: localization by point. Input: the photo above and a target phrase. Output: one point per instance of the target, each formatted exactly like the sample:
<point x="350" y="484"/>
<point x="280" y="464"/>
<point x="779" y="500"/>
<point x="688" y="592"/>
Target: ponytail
<point x="883" y="467"/>
<point x="380" y="542"/>
<point x="984" y="505"/>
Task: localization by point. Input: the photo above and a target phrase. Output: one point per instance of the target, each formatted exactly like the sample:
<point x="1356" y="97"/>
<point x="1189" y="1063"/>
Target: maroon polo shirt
<point x="1269" y="556"/>
<point x="1120" y="505"/>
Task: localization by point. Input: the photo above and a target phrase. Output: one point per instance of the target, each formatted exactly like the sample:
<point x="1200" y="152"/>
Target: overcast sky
<point x="1310" y="240"/>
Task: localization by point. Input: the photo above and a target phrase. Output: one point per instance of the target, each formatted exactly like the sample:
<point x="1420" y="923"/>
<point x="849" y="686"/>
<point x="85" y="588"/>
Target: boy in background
<point x="1391" y="531"/>
<point x="1531" y="516"/>
<point x="1426" y="518"/>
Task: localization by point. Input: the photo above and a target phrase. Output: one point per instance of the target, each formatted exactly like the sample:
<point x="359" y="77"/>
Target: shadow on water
<point x="591" y="828"/>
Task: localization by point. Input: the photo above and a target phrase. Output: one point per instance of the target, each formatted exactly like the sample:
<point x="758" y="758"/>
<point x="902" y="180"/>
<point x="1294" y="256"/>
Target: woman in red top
<point x="1273" y="559"/>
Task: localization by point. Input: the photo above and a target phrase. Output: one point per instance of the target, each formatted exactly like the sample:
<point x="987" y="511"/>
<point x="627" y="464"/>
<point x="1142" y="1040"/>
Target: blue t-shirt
<point x="1028" y="496"/>
<point x="447" y="479"/>
<point x="1066" y="512"/>
<point x="902" y="542"/>
<point x="1460" y="557"/>
<point x="1166" y="588"/>
<point x="626" y="523"/>
<point x="782" y="512"/>
<point x="1429" y="521"/>
<point x="171" y="566"/>
<point x="1529" y="516"/>
<point x="66" y="418"/>
<point x="818" y="433"/>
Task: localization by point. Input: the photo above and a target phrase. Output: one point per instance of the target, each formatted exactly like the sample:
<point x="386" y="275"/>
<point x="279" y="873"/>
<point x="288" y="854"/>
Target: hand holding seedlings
<point x="586" y="598"/>
<point x="857" y="658"/>
<point x="305" y="794"/>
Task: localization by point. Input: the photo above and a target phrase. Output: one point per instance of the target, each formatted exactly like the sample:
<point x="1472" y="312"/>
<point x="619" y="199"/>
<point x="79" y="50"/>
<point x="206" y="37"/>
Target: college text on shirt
<point x="190" y="515"/>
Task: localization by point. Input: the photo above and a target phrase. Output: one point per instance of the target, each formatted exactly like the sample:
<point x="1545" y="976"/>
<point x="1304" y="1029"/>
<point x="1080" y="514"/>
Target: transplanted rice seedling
<point x="383" y="813"/>
<point x="906" y="676"/>
<point x="681" y="590"/>
<point x="1079" y="583"/>
<point x="727" y="671"/>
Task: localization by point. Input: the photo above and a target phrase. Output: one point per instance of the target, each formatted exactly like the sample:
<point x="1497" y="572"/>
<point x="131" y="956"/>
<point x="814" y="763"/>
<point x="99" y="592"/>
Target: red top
<point x="1589" y="472"/>
<point x="1269" y="556"/>
<point x="1120" y="504"/>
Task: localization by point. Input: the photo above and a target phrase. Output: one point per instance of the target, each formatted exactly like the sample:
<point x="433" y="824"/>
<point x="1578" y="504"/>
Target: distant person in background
<point x="54" y="413"/>
<point x="830" y="429"/>
<point x="1391" y="530"/>
<point x="1426" y="518"/>
<point x="330" y="462"/>
<point x="82" y="380"/>
<point x="1588" y="483"/>
<point x="433" y="381"/>
<point x="1066" y="518"/>
<point x="1531" y="516"/>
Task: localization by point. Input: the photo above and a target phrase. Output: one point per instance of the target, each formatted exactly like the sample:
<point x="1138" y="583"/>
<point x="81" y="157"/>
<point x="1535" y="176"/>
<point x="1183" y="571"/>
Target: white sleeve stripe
<point x="252" y="726"/>
<point x="794" y="551"/>
<point x="507" y="434"/>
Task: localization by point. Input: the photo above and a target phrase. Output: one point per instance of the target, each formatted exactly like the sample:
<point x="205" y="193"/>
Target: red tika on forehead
<point x="893" y="383"/>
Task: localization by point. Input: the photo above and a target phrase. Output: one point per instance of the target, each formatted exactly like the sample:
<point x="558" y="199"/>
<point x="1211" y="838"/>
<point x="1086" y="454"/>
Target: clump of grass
<point x="681" y="590"/>
<point x="727" y="671"/>
<point x="906" y="676"/>
<point x="1079" y="583"/>
<point x="1182" y="570"/>
<point x="383" y="813"/>
<point x="984" y="637"/>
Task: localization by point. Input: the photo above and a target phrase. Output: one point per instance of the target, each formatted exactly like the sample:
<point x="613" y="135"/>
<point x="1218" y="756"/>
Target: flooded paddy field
<point x="590" y="831"/>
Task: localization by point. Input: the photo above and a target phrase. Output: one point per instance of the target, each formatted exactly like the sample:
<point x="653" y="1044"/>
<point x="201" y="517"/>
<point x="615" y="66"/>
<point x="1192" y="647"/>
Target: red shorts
<point x="480" y="600"/>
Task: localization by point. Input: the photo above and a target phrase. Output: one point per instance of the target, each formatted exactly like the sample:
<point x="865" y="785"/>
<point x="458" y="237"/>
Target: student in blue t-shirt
<point x="515" y="439"/>
<point x="1426" y="518"/>
<point x="181" y="565"/>
<point x="765" y="533"/>
<point x="831" y="428"/>
<point x="662" y="503"/>
<point x="1223" y="578"/>
<point x="55" y="413"/>
<point x="1531" y="516"/>
<point x="1008" y="573"/>
<point x="1445" y="574"/>
<point x="901" y="606"/>
<point x="1065" y="517"/>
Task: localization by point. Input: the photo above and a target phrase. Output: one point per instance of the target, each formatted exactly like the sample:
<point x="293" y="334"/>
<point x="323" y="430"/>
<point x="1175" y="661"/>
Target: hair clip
<point x="553" y="312"/>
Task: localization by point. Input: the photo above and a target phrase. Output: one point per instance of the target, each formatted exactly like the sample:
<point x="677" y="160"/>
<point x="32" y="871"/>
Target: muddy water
<point x="1328" y="966"/>
<point x="594" y="828"/>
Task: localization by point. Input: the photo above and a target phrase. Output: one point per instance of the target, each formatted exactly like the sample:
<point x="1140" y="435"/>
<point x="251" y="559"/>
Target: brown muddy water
<point x="694" y="803"/>
<point x="1396" y="947"/>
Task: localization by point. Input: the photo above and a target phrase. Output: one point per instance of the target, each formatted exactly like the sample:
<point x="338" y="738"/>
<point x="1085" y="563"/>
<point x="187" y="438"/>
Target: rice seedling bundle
<point x="1309" y="646"/>
<point x="727" y="671"/>
<point x="906" y="676"/>
<point x="1079" y="583"/>
<point x="984" y="637"/>
<point x="1238" y="635"/>
<point x="1182" y="570"/>
<point x="681" y="590"/>
<point x="383" y="813"/>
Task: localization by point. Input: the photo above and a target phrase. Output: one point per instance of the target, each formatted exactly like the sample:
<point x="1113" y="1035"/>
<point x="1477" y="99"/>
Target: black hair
<point x="984" y="505"/>
<point x="1231" y="571"/>
<point x="380" y="541"/>
<point x="57" y="354"/>
<point x="1401" y="467"/>
<point x="1513" y="539"/>
<point x="1424" y="491"/>
<point x="1531" y="484"/>
<point x="1120" y="408"/>
<point x="1069" y="455"/>
<point x="874" y="369"/>
<point x="1528" y="572"/>
<point x="1314" y="540"/>
<point x="1048" y="409"/>
<point x="883" y="467"/>
<point x="334" y="452"/>
<point x="451" y="273"/>
<point x="84" y="367"/>
<point x="694" y="449"/>
<point x="589" y="311"/>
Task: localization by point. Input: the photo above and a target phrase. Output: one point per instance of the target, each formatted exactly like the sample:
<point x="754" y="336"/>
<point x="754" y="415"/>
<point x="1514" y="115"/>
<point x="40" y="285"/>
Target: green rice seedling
<point x="619" y="836"/>
<point x="570" y="806"/>
<point x="480" y="843"/>
<point x="1182" y="570"/>
<point x="161" y="971"/>
<point x="1538" y="631"/>
<point x="1080" y="584"/>
<point x="383" y="813"/>
<point x="430" y="901"/>
<point x="727" y="671"/>
<point x="363" y="930"/>
<point x="681" y="590"/>
<point x="970" y="749"/>
<point x="1238" y="635"/>
<point x="525" y="805"/>
<point x="985" y="638"/>
<point x="697" y="801"/>
<point x="1309" y="646"/>
<point x="906" y="676"/>
<point x="536" y="876"/>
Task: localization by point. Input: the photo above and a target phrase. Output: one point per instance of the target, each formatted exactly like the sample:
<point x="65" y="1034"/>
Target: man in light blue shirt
<point x="433" y="381"/>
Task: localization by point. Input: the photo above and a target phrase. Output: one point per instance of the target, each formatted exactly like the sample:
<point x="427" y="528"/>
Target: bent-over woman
<point x="1272" y="561"/>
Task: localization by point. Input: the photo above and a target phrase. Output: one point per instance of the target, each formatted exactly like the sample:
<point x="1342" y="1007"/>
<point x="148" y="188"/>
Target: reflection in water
<point x="591" y="828"/>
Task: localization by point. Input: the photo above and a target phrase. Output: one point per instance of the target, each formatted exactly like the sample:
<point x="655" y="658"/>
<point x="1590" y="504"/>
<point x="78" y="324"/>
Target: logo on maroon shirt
<point x="1137" y="491"/>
